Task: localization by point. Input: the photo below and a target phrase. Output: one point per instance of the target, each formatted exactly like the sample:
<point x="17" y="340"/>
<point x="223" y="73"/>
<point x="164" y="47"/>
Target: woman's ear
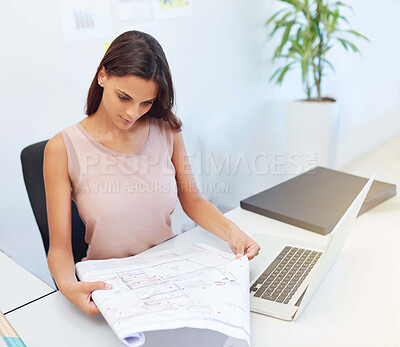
<point x="102" y="75"/>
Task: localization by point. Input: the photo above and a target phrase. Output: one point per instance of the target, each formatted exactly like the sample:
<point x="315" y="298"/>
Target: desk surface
<point x="2" y="342"/>
<point x="18" y="286"/>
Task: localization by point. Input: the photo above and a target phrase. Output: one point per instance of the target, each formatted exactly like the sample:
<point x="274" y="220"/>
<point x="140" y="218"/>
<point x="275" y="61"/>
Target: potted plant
<point x="308" y="30"/>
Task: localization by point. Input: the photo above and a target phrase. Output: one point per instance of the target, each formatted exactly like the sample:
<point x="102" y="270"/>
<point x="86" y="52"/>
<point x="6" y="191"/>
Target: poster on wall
<point x="84" y="20"/>
<point x="133" y="9"/>
<point x="172" y="8"/>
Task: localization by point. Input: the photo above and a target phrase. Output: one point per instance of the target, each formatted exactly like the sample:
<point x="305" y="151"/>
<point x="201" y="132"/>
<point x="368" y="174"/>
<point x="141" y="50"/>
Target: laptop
<point x="284" y="286"/>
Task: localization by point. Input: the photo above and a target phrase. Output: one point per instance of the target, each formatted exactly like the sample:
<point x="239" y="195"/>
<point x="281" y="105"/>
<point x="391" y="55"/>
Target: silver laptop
<point x="283" y="287"/>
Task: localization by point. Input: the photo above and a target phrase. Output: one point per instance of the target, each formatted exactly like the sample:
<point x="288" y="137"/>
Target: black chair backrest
<point x="32" y="168"/>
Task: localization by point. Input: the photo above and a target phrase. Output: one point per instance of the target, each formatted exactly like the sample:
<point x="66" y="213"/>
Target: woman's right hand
<point x="80" y="294"/>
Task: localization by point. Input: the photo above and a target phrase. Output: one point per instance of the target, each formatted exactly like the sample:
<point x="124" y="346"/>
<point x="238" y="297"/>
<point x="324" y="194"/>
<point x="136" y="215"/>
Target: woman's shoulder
<point x="56" y="163"/>
<point x="56" y="143"/>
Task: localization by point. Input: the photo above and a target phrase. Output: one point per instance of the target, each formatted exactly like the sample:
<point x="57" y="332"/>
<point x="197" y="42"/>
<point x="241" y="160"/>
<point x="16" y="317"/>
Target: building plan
<point x="197" y="287"/>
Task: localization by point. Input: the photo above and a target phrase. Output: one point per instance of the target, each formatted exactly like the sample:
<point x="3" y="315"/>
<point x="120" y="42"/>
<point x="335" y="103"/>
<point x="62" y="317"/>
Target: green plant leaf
<point x="341" y="4"/>
<point x="347" y="44"/>
<point x="332" y="24"/>
<point x="285" y="38"/>
<point x="324" y="18"/>
<point x="353" y="47"/>
<point x="304" y="70"/>
<point x="297" y="48"/>
<point x="288" y="56"/>
<point x="328" y="63"/>
<point x="305" y="44"/>
<point x="326" y="49"/>
<point x="274" y="16"/>
<point x="344" y="19"/>
<point x="282" y="74"/>
<point x="275" y="73"/>
<point x="358" y="34"/>
<point x="316" y="29"/>
<point x="299" y="34"/>
<point x="295" y="3"/>
<point x="344" y="43"/>
<point x="281" y="23"/>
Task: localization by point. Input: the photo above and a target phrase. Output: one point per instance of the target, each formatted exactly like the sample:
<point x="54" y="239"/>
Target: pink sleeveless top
<point x="124" y="199"/>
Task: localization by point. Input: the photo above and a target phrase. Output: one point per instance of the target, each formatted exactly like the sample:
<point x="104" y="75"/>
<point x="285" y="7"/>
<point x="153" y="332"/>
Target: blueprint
<point x="196" y="287"/>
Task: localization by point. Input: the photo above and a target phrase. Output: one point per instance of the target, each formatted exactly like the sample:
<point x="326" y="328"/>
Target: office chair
<point x="32" y="168"/>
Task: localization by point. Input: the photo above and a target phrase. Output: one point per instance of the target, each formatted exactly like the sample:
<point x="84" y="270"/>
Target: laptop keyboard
<point x="286" y="273"/>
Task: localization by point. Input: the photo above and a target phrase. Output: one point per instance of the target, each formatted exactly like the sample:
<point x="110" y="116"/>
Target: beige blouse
<point x="124" y="199"/>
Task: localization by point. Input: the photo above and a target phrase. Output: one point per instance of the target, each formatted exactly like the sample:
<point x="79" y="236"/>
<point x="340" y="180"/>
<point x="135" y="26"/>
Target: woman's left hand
<point x="241" y="244"/>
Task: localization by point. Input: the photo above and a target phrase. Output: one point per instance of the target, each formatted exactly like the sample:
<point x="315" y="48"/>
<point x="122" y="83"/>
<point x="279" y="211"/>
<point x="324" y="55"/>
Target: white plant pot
<point x="311" y="132"/>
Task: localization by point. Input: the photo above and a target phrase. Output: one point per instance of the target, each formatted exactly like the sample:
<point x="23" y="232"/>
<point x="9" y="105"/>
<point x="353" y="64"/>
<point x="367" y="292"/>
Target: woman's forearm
<point x="206" y="215"/>
<point x="62" y="266"/>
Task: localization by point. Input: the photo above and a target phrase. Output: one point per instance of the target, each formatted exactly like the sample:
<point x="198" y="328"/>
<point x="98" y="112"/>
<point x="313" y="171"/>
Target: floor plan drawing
<point x="197" y="287"/>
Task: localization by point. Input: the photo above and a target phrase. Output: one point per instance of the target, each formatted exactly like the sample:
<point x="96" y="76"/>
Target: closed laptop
<point x="316" y="199"/>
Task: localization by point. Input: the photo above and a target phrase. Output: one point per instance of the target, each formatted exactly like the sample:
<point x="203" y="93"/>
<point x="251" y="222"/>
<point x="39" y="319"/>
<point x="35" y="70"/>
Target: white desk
<point x="2" y="343"/>
<point x="18" y="286"/>
<point x="358" y="303"/>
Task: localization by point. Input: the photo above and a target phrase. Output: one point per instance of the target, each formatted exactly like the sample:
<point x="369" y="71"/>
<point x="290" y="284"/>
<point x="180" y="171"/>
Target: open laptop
<point x="284" y="286"/>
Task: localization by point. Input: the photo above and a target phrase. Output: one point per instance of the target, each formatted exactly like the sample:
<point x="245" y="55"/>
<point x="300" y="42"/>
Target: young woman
<point x="124" y="165"/>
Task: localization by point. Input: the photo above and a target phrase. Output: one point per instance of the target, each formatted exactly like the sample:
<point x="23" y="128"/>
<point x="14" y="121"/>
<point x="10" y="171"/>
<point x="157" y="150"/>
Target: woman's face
<point x="126" y="99"/>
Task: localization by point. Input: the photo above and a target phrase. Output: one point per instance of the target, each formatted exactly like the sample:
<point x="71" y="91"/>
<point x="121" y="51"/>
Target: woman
<point x="124" y="165"/>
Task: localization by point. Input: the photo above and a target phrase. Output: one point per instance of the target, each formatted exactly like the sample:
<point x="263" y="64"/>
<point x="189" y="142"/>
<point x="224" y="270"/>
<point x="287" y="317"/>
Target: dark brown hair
<point x="140" y="54"/>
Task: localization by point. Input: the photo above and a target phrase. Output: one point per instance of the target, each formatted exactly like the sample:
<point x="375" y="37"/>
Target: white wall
<point x="368" y="87"/>
<point x="220" y="62"/>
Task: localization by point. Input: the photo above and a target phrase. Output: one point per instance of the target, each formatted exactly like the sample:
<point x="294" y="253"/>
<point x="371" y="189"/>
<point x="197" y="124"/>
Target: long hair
<point x="137" y="53"/>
